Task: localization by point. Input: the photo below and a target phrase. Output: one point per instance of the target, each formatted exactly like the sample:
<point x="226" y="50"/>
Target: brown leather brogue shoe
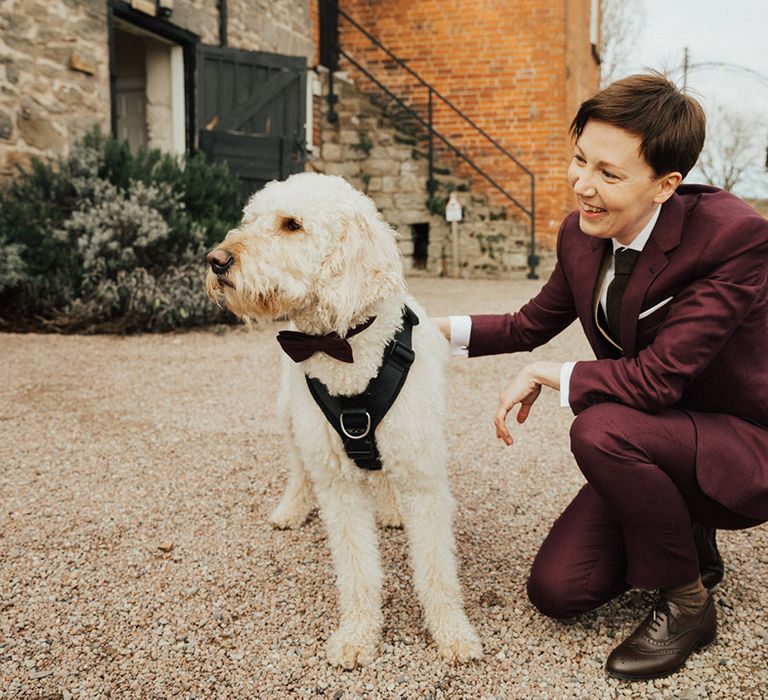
<point x="662" y="642"/>
<point x="710" y="562"/>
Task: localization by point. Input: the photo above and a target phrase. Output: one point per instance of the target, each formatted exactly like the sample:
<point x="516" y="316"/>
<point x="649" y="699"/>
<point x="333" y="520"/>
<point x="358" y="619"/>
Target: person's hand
<point x="443" y="325"/>
<point x="524" y="390"/>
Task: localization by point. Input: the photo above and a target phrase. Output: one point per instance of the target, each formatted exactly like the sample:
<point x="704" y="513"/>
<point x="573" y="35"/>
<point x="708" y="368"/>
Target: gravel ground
<point x="136" y="560"/>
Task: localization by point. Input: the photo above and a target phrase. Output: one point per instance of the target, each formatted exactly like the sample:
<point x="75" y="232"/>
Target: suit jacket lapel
<point x="592" y="271"/>
<point x="598" y="316"/>
<point x="665" y="237"/>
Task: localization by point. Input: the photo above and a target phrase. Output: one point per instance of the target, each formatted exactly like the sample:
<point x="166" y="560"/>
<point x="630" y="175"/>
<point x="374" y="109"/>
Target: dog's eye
<point x="290" y="224"/>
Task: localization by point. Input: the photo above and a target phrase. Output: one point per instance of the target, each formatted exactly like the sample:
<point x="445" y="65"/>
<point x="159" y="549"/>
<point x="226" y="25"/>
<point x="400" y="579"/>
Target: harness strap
<point x="355" y="418"/>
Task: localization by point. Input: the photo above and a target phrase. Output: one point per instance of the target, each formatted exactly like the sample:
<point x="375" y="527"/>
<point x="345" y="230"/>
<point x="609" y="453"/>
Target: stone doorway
<point x="149" y="89"/>
<point x="420" y="236"/>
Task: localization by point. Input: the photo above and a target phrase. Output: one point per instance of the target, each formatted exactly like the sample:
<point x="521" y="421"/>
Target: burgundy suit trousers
<point x="630" y="525"/>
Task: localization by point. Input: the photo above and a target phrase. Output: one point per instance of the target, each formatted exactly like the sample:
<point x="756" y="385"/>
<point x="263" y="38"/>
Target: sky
<point x="715" y="31"/>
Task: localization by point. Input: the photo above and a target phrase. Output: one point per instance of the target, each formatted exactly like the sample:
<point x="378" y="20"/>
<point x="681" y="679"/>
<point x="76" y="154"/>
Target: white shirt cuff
<point x="461" y="328"/>
<point x="565" y="383"/>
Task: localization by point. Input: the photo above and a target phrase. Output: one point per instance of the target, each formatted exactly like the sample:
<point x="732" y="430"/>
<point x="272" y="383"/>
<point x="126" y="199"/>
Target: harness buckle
<point x="402" y="353"/>
<point x="355" y="432"/>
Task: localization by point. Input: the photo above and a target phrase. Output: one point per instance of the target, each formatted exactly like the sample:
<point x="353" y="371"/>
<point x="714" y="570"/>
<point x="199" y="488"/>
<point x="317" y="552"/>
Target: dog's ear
<point x="363" y="265"/>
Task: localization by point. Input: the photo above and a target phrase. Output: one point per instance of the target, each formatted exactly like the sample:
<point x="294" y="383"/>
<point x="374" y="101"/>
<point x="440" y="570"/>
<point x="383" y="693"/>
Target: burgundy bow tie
<point x="301" y="346"/>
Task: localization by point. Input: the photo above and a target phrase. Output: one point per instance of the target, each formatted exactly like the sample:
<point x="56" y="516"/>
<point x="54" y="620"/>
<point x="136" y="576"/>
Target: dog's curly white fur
<point x="316" y="250"/>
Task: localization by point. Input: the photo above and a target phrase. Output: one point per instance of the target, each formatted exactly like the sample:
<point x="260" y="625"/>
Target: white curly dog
<point x="315" y="250"/>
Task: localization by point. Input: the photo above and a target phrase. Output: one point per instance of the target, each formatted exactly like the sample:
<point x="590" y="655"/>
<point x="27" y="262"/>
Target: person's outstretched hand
<point x="524" y="390"/>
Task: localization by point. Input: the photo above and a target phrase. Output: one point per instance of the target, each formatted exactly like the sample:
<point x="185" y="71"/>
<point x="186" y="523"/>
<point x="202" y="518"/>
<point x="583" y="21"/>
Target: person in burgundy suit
<point x="669" y="283"/>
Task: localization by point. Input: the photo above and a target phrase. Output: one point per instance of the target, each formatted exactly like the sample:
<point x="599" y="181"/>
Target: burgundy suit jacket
<point x="705" y="351"/>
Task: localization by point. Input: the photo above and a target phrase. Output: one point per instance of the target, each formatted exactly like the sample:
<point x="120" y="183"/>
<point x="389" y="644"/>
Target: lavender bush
<point x="108" y="241"/>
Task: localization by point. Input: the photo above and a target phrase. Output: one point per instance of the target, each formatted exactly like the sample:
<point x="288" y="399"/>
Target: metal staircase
<point x="413" y="101"/>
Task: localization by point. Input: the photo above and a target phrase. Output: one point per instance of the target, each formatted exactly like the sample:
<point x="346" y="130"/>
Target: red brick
<point x="497" y="61"/>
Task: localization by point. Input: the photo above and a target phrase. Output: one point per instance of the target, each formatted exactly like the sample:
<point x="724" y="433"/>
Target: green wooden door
<point x="251" y="112"/>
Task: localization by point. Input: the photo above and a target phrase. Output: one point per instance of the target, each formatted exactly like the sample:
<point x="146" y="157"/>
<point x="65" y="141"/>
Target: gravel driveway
<point x="136" y="476"/>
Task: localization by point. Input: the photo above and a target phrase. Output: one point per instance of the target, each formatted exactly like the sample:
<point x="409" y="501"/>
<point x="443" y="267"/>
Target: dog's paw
<point x="392" y="520"/>
<point x="460" y="643"/>
<point x="349" y="649"/>
<point x="289" y="518"/>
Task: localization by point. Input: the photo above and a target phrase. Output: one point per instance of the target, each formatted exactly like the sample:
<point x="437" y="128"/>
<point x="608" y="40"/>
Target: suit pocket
<point x="650" y="319"/>
<point x="653" y="309"/>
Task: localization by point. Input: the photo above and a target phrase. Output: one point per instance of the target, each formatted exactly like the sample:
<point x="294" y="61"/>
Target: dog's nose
<point x="219" y="260"/>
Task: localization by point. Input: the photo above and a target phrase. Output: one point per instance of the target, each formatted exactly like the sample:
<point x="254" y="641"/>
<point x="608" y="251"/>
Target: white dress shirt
<point x="461" y="326"/>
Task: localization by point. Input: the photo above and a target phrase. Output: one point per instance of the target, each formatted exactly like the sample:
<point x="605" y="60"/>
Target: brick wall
<point x="518" y="68"/>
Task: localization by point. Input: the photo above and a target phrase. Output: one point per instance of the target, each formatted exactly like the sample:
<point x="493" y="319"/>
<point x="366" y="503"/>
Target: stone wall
<point x="54" y="76"/>
<point x="200" y="17"/>
<point x="278" y="26"/>
<point x="54" y="62"/>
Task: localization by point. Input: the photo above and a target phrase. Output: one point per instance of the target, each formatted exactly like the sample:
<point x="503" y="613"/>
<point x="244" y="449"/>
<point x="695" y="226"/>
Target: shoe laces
<point x="660" y="611"/>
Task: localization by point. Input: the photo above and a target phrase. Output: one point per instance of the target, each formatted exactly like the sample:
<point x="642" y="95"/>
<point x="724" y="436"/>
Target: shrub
<point x="107" y="240"/>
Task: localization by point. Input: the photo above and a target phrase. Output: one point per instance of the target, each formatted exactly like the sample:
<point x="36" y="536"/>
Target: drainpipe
<point x="222" y="22"/>
<point x="112" y="71"/>
<point x="329" y="50"/>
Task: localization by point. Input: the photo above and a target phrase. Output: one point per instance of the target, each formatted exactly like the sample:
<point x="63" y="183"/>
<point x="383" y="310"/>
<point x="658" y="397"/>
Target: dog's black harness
<point x="355" y="418"/>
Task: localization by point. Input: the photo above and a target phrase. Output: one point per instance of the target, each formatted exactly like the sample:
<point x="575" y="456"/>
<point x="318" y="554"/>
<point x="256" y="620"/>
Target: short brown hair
<point x="670" y="124"/>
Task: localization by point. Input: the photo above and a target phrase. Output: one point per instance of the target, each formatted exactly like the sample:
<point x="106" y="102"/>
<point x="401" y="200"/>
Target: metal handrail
<point x="434" y="91"/>
<point x="434" y="131"/>
<point x="530" y="211"/>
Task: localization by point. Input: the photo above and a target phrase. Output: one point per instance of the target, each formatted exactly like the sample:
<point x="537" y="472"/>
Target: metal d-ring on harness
<point x="355" y="418"/>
